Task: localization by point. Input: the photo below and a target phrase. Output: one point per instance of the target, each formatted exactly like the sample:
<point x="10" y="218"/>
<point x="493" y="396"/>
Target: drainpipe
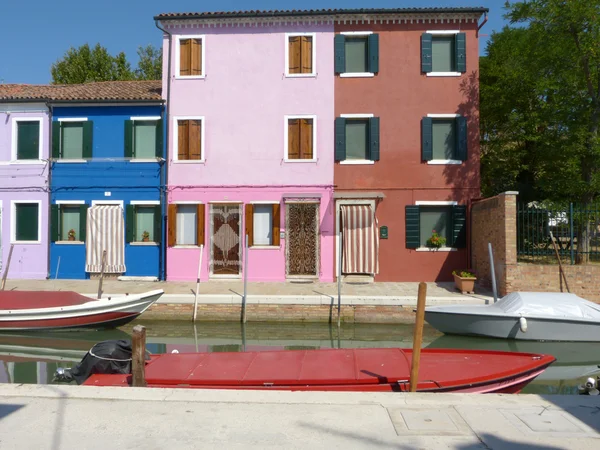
<point x="49" y="229"/>
<point x="485" y="19"/>
<point x="165" y="171"/>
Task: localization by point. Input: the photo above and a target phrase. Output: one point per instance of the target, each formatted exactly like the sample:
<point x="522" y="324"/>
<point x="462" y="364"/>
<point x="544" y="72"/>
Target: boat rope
<point x="110" y="359"/>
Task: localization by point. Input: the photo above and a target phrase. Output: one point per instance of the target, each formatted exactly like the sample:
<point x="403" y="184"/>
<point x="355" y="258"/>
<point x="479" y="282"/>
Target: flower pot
<point x="465" y="285"/>
<point x="71" y="238"/>
<point x="145" y="239"/>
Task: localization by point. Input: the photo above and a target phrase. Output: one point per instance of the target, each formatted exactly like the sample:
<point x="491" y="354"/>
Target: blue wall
<point x="106" y="179"/>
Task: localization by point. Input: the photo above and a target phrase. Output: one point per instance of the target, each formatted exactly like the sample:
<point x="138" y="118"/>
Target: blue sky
<point x="36" y="33"/>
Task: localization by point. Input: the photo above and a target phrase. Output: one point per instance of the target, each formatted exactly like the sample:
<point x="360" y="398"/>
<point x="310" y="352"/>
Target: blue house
<point x="107" y="180"/>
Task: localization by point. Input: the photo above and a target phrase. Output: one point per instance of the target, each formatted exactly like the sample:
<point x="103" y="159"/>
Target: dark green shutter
<point x="27" y="221"/>
<point x="128" y="139"/>
<point x="459" y="226"/>
<point x="28" y="140"/>
<point x="373" y="53"/>
<point x="56" y="139"/>
<point x="339" y="47"/>
<point x="159" y="138"/>
<point x="54" y="223"/>
<point x="461" y="138"/>
<point x="374" y="138"/>
<point x="157" y="223"/>
<point x="413" y="227"/>
<point x="130" y="223"/>
<point x="426" y="53"/>
<point x="460" y="52"/>
<point x="340" y="139"/>
<point x="82" y="221"/>
<point x="426" y="139"/>
<point x="88" y="139"/>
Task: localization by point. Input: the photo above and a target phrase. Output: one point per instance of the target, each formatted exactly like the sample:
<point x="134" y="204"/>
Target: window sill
<point x="441" y="249"/>
<point x="60" y="160"/>
<point x="25" y="242"/>
<point x="144" y="244"/>
<point x="265" y="247"/>
<point x="69" y="242"/>
<point x="357" y="75"/>
<point x="189" y="161"/>
<point x="144" y="160"/>
<point x="444" y="74"/>
<point x="301" y="75"/>
<point x="444" y="161"/>
<point x="190" y="77"/>
<point x="27" y="161"/>
<point x="186" y="246"/>
<point x="357" y="162"/>
<point x="294" y="161"/>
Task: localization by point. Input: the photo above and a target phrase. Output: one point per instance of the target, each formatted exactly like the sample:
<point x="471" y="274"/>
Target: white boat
<point x="537" y="316"/>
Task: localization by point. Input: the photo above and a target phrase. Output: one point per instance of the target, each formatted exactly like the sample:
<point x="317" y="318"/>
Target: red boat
<point x="386" y="369"/>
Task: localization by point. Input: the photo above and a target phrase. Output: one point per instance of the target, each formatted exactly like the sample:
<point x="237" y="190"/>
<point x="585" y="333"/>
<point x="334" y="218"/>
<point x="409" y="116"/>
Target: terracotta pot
<point x="71" y="238"/>
<point x="145" y="239"/>
<point x="465" y="285"/>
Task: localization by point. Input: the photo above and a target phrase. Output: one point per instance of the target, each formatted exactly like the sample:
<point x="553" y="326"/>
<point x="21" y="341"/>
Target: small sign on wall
<point x="383" y="232"/>
<point x="107" y="194"/>
<point x="282" y="235"/>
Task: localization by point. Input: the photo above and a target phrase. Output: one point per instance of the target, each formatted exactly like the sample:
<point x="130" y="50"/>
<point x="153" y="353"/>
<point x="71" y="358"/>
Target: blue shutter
<point x="373" y="53"/>
<point x="426" y="139"/>
<point x="461" y="138"/>
<point x="459" y="226"/>
<point x="460" y="52"/>
<point x="426" y="52"/>
<point x="374" y="139"/>
<point x="339" y="47"/>
<point x="413" y="227"/>
<point x="340" y="139"/>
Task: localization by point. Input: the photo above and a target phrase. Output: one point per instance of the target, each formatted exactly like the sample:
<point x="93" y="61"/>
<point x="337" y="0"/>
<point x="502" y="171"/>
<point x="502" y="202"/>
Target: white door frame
<point x="338" y="203"/>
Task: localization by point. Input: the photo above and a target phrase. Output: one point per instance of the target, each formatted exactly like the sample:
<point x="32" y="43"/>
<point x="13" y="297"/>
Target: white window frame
<point x="357" y="74"/>
<point x="265" y="247"/>
<point x="69" y="203"/>
<point x="350" y="162"/>
<point x="146" y="119"/>
<point x="107" y="202"/>
<point x="313" y="74"/>
<point x="178" y="39"/>
<point x="438" y="162"/>
<point x="438" y="33"/>
<point x="186" y="203"/>
<point x="286" y="119"/>
<point x="13" y="153"/>
<point x="69" y="119"/>
<point x="13" y="221"/>
<point x="435" y="203"/>
<point x="145" y="202"/>
<point x="202" y="159"/>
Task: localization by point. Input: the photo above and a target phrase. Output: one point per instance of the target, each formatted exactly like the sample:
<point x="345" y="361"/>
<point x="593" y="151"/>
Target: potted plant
<point x="435" y="241"/>
<point x="464" y="281"/>
<point x="71" y="234"/>
<point x="145" y="236"/>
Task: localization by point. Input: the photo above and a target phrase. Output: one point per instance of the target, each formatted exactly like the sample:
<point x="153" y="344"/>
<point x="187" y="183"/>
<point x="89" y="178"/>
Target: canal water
<point x="34" y="357"/>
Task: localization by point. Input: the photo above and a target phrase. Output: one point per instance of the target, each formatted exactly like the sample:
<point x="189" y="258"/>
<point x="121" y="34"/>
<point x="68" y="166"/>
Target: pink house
<point x="250" y="146"/>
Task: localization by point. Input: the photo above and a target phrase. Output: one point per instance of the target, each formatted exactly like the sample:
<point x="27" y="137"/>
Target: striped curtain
<point x="105" y="230"/>
<point x="360" y="240"/>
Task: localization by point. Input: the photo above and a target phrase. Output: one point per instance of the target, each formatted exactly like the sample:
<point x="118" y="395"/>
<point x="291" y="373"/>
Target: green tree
<point x="150" y="63"/>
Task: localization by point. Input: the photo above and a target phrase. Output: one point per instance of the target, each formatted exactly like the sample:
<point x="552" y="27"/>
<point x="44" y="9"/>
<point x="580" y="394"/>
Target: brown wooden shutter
<point x="276" y="225"/>
<point x="306" y="54"/>
<point x="196" y="57"/>
<point x="183" y="144"/>
<point x="293" y="139"/>
<point x="195" y="144"/>
<point x="294" y="54"/>
<point x="184" y="57"/>
<point x="250" y="224"/>
<point x="171" y="225"/>
<point x="306" y="139"/>
<point x="200" y="225"/>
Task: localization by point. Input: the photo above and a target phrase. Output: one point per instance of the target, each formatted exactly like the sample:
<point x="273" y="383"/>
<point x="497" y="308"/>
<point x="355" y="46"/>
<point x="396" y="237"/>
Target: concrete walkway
<point x="67" y="417"/>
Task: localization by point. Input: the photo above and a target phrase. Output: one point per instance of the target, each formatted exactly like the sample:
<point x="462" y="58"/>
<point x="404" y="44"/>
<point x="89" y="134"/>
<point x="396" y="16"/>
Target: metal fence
<point x="575" y="228"/>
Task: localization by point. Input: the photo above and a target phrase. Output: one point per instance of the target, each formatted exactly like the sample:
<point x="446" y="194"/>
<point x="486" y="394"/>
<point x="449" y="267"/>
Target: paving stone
<point x="426" y="421"/>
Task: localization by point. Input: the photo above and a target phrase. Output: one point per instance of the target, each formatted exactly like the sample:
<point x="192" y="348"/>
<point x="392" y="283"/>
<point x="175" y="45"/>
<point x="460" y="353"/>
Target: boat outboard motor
<point x="590" y="387"/>
<point x="106" y="357"/>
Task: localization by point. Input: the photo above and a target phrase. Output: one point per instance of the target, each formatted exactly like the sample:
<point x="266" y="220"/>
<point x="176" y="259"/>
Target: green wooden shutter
<point x="340" y="139"/>
<point x="373" y="53"/>
<point x="461" y="138"/>
<point x="426" y="53"/>
<point x="460" y="53"/>
<point x="159" y="138"/>
<point x="28" y="140"/>
<point x="426" y="139"/>
<point x="82" y="221"/>
<point x="459" y="226"/>
<point x="56" y="139"/>
<point x="54" y="223"/>
<point x="128" y="139"/>
<point x="88" y="139"/>
<point x="339" y="47"/>
<point x="374" y="138"/>
<point x="157" y="223"/>
<point x="27" y="217"/>
<point x="413" y="226"/>
<point x="130" y="223"/>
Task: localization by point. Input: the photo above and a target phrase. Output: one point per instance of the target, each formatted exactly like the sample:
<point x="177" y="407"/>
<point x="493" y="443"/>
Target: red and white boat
<point x="61" y="310"/>
<point x="371" y="370"/>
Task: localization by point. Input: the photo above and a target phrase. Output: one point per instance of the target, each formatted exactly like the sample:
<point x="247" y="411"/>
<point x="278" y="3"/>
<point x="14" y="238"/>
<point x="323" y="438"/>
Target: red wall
<point x="401" y="95"/>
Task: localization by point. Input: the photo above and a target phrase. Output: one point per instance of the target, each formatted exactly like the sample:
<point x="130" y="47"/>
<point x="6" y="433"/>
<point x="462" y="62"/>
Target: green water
<point x="34" y="357"/>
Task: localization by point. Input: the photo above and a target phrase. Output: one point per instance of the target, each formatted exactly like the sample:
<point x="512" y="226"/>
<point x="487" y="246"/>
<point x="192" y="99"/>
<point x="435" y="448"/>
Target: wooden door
<point x="302" y="246"/>
<point x="226" y="242"/>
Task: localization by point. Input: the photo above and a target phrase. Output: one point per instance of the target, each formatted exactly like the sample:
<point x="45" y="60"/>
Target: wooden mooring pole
<point x="418" y="337"/>
<point x="560" y="267"/>
<point x="101" y="274"/>
<point x="198" y="284"/>
<point x="138" y="356"/>
<point x="7" y="266"/>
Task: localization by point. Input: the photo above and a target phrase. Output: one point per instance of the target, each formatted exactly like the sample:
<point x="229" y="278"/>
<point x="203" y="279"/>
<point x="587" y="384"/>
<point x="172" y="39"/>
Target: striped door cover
<point x="105" y="230"/>
<point x="360" y="240"/>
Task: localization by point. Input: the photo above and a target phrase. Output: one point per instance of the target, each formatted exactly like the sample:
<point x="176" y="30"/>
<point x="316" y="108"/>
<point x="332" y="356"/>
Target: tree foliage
<point x="85" y="64"/>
